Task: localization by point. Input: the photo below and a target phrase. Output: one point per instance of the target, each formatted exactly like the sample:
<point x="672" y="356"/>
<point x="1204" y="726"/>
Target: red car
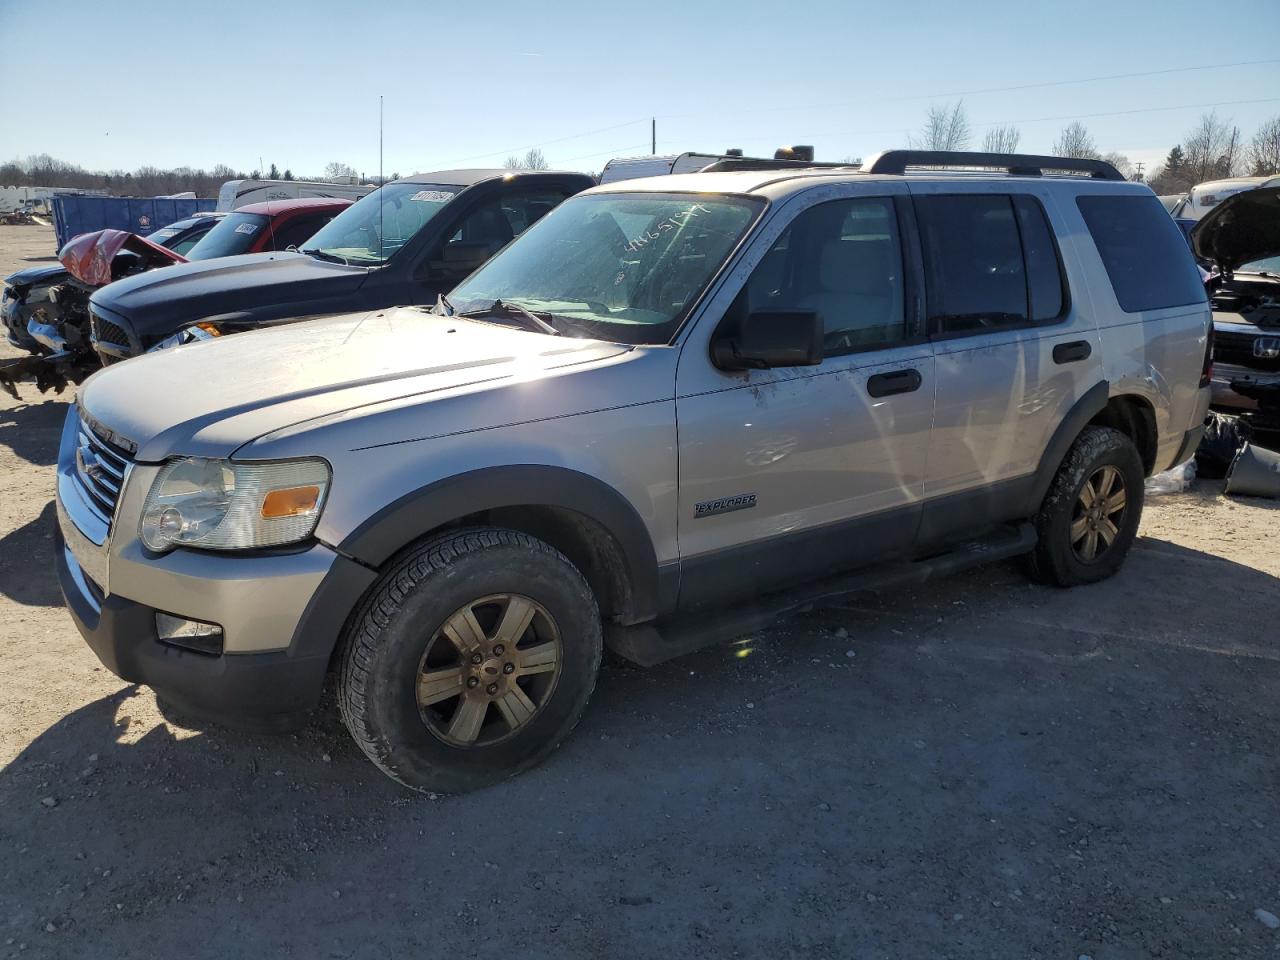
<point x="272" y="225"/>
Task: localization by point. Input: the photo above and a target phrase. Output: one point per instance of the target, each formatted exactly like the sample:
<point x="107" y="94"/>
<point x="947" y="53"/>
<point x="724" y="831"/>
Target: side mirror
<point x="770" y="338"/>
<point x="459" y="259"/>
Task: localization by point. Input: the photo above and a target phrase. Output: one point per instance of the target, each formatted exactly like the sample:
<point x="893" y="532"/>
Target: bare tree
<point x="945" y="128"/>
<point x="1001" y="140"/>
<point x="513" y="163"/>
<point x="534" y="160"/>
<point x="1212" y="149"/>
<point x="334" y="170"/>
<point x="1075" y="141"/>
<point x="1121" y="163"/>
<point x="1264" y="149"/>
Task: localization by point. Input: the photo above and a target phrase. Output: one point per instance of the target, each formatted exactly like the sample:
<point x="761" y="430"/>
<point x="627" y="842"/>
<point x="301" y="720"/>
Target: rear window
<point x="990" y="262"/>
<point x="1143" y="251"/>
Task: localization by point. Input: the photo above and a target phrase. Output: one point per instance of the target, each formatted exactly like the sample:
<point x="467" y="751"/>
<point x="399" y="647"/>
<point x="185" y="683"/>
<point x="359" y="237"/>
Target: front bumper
<point x="14" y="314"/>
<point x="263" y="690"/>
<point x="1225" y="396"/>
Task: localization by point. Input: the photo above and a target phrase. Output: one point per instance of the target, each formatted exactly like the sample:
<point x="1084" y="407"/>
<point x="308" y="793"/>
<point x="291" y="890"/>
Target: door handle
<point x="1071" y="352"/>
<point x="899" y="381"/>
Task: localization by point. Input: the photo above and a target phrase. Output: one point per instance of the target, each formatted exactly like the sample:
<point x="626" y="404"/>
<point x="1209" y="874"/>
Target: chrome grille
<point x="106" y="331"/>
<point x="101" y="469"/>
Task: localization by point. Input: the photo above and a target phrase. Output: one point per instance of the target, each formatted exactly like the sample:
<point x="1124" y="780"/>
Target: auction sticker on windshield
<point x="432" y="196"/>
<point x="247" y="228"/>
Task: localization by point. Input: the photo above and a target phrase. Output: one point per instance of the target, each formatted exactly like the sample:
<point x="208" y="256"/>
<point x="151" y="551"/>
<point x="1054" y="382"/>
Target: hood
<point x="1242" y="228"/>
<point x="163" y="300"/>
<point x="49" y="273"/>
<point x="208" y="399"/>
<point x="89" y="256"/>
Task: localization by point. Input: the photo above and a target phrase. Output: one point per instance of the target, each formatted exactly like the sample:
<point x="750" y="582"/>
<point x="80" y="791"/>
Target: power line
<point x="902" y="99"/>
<point x="543" y="143"/>
<point x="972" y="93"/>
<point x="997" y="123"/>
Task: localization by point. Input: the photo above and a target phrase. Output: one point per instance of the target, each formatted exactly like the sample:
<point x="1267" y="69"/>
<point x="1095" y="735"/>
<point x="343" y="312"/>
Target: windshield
<point x="622" y="266"/>
<point x="171" y="231"/>
<point x="1265" y="265"/>
<point x="234" y="234"/>
<point x="373" y="228"/>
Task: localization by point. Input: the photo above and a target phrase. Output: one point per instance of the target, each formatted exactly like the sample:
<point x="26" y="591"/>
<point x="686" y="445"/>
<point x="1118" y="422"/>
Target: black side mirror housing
<point x="770" y="338"/>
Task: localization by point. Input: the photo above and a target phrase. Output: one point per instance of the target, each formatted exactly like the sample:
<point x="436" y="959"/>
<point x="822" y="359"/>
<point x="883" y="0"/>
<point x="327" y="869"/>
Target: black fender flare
<point x="407" y="519"/>
<point x="1085" y="409"/>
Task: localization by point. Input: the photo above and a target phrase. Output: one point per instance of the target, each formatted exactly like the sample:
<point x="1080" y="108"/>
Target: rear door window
<point x="991" y="262"/>
<point x="973" y="262"/>
<point x="1143" y="251"/>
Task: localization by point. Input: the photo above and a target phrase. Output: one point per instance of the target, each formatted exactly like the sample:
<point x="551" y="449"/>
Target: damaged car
<point x="1240" y="239"/>
<point x="405" y="243"/>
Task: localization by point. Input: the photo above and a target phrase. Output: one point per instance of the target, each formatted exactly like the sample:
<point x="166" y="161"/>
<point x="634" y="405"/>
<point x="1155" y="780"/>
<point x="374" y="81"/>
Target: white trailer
<point x="630" y="168"/>
<point x="237" y="193"/>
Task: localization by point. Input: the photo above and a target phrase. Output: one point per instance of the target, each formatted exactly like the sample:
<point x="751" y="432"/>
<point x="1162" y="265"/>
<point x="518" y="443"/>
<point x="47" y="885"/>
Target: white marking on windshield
<point x="678" y="219"/>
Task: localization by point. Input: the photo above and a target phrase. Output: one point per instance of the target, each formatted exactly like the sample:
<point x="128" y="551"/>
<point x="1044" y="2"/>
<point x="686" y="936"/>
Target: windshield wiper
<point x="326" y="255"/>
<point x="443" y="306"/>
<point x="509" y="309"/>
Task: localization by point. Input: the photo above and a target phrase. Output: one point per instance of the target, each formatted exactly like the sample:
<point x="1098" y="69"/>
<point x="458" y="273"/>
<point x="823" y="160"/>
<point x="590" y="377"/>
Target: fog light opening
<point x="189" y="634"/>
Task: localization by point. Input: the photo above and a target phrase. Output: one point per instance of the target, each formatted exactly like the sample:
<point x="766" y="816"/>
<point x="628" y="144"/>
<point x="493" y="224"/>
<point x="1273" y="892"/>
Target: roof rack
<point x="1015" y="164"/>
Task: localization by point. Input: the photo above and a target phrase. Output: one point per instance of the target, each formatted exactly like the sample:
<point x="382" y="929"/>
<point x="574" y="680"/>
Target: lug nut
<point x="497" y="649"/>
<point x="472" y="682"/>
<point x="477" y="659"/>
<point x="492" y="688"/>
<point x="508" y="668"/>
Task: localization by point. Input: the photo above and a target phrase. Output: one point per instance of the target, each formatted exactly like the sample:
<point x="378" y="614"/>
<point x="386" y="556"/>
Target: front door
<point x="787" y="475"/>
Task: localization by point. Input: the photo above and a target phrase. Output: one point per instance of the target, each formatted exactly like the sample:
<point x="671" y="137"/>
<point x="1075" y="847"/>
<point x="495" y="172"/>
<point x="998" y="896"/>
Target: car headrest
<point x="856" y="266"/>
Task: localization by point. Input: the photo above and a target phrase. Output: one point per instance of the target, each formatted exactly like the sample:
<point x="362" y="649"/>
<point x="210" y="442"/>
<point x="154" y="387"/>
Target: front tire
<point x="1090" y="516"/>
<point x="472" y="659"/>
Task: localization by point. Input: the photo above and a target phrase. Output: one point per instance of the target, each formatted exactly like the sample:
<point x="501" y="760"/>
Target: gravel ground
<point x="982" y="768"/>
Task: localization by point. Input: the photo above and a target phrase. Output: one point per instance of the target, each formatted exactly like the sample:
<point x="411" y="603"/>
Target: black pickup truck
<point x="1240" y="237"/>
<point x="405" y="243"/>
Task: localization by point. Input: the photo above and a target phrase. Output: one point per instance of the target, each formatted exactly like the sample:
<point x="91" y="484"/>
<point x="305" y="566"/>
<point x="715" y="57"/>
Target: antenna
<point x="653" y="136"/>
<point x="382" y="201"/>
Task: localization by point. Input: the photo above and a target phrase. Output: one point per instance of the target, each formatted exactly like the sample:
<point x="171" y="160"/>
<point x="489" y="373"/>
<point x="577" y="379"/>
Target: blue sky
<point x="168" y="83"/>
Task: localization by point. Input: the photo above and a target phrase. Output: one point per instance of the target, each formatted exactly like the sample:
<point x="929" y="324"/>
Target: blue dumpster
<point x="73" y="215"/>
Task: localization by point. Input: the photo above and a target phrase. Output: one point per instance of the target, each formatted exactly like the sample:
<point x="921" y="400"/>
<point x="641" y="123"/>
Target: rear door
<point x="791" y="474"/>
<point x="1012" y="350"/>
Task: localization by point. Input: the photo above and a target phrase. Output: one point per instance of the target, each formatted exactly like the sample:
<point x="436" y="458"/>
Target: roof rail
<point x="1016" y="164"/>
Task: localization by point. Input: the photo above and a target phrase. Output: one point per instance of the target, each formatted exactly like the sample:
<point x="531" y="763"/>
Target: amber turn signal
<point x="209" y="328"/>
<point x="290" y="502"/>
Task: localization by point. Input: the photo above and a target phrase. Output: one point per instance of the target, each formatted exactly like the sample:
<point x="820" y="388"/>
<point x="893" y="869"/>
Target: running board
<point x="648" y="644"/>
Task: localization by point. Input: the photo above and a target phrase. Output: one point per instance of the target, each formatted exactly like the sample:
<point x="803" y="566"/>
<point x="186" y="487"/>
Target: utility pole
<point x="1141" y="178"/>
<point x="653" y="136"/>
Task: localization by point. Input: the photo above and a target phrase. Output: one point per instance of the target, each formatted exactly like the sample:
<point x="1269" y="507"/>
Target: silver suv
<point x="671" y="409"/>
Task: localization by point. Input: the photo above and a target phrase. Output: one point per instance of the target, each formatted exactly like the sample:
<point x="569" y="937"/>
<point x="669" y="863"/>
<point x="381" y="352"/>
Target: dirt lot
<point x="978" y="769"/>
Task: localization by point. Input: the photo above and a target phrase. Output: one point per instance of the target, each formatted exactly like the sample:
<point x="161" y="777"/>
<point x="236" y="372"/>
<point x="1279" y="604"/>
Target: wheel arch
<point x="1135" y="417"/>
<point x="583" y="517"/>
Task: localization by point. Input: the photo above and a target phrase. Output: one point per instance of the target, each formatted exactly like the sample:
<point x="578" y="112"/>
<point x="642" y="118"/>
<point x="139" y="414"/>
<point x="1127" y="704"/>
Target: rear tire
<point x="471" y="660"/>
<point x="1090" y="516"/>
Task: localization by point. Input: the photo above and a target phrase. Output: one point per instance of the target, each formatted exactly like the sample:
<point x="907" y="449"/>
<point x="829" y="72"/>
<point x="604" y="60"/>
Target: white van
<point x="237" y="193"/>
<point x="1204" y="196"/>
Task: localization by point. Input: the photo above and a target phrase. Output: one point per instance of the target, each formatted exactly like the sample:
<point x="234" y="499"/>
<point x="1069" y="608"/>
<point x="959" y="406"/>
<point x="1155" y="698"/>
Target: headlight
<point x="200" y="331"/>
<point x="221" y="505"/>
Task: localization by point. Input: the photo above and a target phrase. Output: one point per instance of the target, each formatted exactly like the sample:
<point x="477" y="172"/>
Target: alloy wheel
<point x="488" y="670"/>
<point x="1098" y="514"/>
